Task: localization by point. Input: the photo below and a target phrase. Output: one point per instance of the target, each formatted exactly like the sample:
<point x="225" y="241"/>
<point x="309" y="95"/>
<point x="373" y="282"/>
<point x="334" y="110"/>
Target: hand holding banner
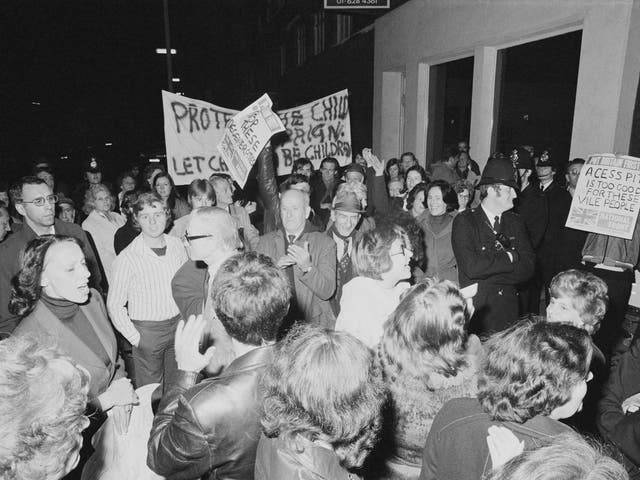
<point x="246" y="135"/>
<point x="607" y="196"/>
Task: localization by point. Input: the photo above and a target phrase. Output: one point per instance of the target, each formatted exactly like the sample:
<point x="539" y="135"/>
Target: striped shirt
<point x="141" y="288"/>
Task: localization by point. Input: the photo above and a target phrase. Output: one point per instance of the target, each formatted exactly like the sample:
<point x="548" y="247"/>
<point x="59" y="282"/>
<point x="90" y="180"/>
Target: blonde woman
<point x="102" y="223"/>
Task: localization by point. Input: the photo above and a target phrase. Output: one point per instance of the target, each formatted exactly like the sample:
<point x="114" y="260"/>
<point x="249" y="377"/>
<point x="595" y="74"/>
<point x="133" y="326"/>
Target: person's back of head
<point x="533" y="368"/>
<point x="324" y="386"/>
<point x="43" y="396"/>
<point x="251" y="297"/>
<point x="568" y="457"/>
<point x="425" y="334"/>
<point x="579" y="298"/>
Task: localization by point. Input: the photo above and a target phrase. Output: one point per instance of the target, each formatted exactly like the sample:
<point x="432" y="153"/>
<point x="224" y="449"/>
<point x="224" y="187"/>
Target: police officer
<point x="493" y="249"/>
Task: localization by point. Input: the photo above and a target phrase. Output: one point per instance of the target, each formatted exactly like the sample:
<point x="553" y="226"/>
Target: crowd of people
<point x="376" y="320"/>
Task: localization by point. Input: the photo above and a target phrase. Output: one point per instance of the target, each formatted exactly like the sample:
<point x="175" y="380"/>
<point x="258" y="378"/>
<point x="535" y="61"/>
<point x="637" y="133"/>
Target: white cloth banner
<point x="607" y="196"/>
<point x="246" y="135"/>
<point x="194" y="128"/>
<point x="317" y="130"/>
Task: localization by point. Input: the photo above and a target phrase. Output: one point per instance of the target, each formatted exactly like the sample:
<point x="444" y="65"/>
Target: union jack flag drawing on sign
<point x="584" y="216"/>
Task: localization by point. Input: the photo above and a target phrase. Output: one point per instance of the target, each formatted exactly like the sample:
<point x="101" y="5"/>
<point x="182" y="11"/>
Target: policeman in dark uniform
<point x="493" y="249"/>
<point x="531" y="205"/>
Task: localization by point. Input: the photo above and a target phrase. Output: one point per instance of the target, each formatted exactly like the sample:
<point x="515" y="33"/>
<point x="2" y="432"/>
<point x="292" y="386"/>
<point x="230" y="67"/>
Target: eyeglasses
<point x="406" y="251"/>
<point x="40" y="201"/>
<point x="189" y="238"/>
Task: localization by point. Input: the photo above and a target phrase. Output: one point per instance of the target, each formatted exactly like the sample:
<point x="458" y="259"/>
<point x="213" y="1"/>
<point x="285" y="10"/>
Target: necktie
<point x="291" y="239"/>
<point x="496" y="223"/>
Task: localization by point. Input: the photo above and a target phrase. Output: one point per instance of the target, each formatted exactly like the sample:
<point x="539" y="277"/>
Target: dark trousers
<point x="154" y="358"/>
<point x="611" y="328"/>
<point x="496" y="308"/>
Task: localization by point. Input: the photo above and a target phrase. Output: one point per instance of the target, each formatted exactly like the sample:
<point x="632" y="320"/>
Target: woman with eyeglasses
<point x="381" y="260"/>
<point x="140" y="301"/>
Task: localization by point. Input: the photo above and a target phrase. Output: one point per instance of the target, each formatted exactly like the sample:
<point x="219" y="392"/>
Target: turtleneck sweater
<point x="73" y="318"/>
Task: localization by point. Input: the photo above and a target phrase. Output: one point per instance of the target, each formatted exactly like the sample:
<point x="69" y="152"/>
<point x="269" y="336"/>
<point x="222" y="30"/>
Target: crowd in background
<point x="377" y="320"/>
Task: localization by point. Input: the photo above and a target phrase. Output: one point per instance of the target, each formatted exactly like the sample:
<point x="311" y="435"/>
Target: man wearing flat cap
<point x="346" y="218"/>
<point x="492" y="248"/>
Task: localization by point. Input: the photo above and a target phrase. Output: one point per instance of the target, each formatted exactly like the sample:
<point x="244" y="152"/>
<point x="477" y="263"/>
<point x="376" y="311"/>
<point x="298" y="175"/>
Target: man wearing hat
<point x="92" y="168"/>
<point x="66" y="209"/>
<point x="531" y="205"/>
<point x="492" y="249"/>
<point x="558" y="205"/>
<point x="346" y="216"/>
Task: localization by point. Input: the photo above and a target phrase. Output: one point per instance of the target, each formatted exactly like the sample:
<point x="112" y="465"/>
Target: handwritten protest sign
<point x="607" y="196"/>
<point x="317" y="130"/>
<point x="194" y="128"/>
<point x="246" y="135"/>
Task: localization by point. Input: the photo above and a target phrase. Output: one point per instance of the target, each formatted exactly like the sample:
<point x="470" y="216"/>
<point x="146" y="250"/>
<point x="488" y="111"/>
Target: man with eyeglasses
<point x="211" y="238"/>
<point x="493" y="250"/>
<point x="35" y="201"/>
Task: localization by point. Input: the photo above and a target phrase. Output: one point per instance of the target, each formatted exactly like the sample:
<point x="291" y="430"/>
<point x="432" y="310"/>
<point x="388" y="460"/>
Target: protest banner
<point x="246" y="135"/>
<point x="316" y="130"/>
<point x="192" y="130"/>
<point x="607" y="196"/>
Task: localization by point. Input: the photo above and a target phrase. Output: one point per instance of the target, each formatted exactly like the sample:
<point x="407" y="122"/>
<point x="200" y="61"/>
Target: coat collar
<point x="69" y="340"/>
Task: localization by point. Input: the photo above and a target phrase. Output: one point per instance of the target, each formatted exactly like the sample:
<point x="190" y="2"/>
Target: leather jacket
<point x="210" y="430"/>
<point x="268" y="190"/>
<point x="280" y="459"/>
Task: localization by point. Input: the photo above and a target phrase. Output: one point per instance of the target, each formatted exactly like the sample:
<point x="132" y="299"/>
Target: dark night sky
<point x="92" y="67"/>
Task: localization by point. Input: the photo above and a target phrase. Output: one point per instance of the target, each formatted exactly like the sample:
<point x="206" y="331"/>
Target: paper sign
<point x="246" y="135"/>
<point x="317" y="130"/>
<point x="194" y="128"/>
<point x="607" y="196"/>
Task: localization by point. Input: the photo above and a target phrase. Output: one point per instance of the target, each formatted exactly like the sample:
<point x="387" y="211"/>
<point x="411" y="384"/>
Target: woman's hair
<point x="299" y="163"/>
<point x="390" y="163"/>
<point x="293" y="179"/>
<point x="449" y="197"/>
<point x="148" y="172"/>
<point x="200" y="187"/>
<point x="251" y="297"/>
<point x="171" y="201"/>
<point x="371" y="254"/>
<point x="420" y="170"/>
<point x="357" y="189"/>
<point x="531" y="369"/>
<point x="90" y="197"/>
<point x="568" y="456"/>
<point x="148" y="199"/>
<point x="587" y="292"/>
<point x="128" y="199"/>
<point x="26" y="289"/>
<point x="425" y="333"/>
<point x="411" y="198"/>
<point x="404" y="220"/>
<point x="324" y="385"/>
<point x="43" y="396"/>
<point x="123" y="175"/>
